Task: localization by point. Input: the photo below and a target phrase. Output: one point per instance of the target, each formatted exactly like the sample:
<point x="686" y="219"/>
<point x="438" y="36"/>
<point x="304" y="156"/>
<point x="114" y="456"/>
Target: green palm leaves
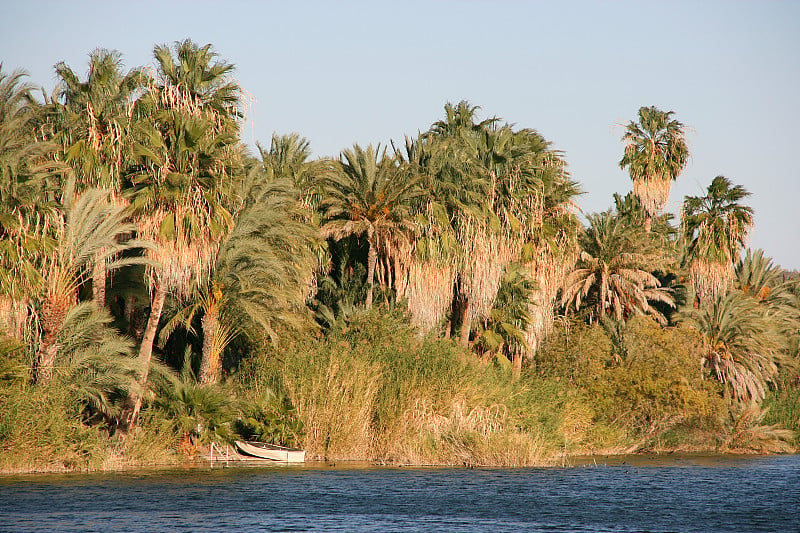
<point x="715" y="228"/>
<point x="189" y="160"/>
<point x="496" y="195"/>
<point x="740" y="344"/>
<point x="92" y="228"/>
<point x="613" y="274"/>
<point x="368" y="195"/>
<point x="96" y="118"/>
<point x="655" y="154"/>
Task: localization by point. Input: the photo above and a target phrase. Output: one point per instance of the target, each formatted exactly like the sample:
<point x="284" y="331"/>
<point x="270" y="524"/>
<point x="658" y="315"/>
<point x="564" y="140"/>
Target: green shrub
<point x="659" y="386"/>
<point x="42" y="429"/>
<point x="783" y="408"/>
<point x="574" y="352"/>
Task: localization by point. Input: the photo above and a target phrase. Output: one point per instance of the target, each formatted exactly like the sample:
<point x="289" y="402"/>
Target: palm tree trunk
<point x="146" y="349"/>
<point x="516" y="363"/>
<point x="648" y="223"/>
<point x="466" y="323"/>
<point x="54" y="312"/>
<point x="46" y="358"/>
<point x="99" y="282"/>
<point x="211" y="363"/>
<point x="372" y="259"/>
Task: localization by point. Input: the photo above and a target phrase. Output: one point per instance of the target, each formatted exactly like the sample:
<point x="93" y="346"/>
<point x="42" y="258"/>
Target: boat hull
<point x="271" y="452"/>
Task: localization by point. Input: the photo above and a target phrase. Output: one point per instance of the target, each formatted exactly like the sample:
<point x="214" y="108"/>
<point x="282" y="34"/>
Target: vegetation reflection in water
<point x="435" y="301"/>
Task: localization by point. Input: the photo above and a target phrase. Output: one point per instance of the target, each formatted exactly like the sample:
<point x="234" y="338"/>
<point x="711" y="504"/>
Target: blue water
<point x="689" y="494"/>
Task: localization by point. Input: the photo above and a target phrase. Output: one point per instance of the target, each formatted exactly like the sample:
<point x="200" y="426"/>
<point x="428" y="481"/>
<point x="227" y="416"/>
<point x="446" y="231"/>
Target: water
<point x="632" y="494"/>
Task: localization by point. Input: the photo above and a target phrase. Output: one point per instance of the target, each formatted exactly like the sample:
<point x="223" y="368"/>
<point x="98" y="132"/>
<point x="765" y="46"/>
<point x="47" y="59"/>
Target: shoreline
<point x="676" y="458"/>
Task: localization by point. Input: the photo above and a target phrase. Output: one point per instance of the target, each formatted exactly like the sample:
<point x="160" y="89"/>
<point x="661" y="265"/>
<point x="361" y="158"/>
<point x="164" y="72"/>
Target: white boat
<point x="273" y="452"/>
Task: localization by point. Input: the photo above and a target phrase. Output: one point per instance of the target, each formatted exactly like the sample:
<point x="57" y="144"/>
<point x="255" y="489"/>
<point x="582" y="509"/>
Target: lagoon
<point x="626" y="494"/>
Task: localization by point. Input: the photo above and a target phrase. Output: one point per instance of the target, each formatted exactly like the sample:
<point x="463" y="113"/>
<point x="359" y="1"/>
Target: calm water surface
<point x="633" y="494"/>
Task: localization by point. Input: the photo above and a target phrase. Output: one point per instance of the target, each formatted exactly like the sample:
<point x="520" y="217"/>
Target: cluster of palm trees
<point x="130" y="205"/>
<point x="140" y="178"/>
<point x="634" y="261"/>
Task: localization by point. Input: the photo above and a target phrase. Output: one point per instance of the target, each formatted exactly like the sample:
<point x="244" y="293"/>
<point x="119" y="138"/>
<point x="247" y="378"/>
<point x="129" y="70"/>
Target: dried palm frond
<point x="486" y="255"/>
<point x="653" y="193"/>
<point x="548" y="271"/>
<point x="184" y="260"/>
<point x="429" y="292"/>
<point x="710" y="279"/>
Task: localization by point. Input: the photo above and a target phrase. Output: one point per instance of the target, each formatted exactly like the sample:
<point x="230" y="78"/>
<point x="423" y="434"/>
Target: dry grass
<point x="462" y="435"/>
<point x="335" y="398"/>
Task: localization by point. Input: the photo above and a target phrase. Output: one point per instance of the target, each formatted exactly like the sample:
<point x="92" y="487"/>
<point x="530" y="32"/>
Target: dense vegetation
<point x="436" y="301"/>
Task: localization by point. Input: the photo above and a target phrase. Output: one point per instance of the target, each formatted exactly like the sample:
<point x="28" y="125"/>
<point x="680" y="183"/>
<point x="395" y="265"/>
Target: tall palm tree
<point x="368" y="195"/>
<point x="94" y="129"/>
<point x="29" y="176"/>
<point x="655" y="154"/>
<point x="613" y="273"/>
<point x="183" y="189"/>
<point x="191" y="78"/>
<point x="496" y="195"/>
<point x="95" y="118"/>
<point x="715" y="228"/>
<point x="740" y="345"/>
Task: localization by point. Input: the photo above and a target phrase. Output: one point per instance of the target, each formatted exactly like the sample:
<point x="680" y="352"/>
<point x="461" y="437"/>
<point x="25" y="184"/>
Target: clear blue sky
<point x="344" y="72"/>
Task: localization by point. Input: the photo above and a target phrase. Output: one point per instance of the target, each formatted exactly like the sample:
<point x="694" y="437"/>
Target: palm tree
<point x="368" y="195"/>
<point x="496" y="195"/>
<point x="613" y="273"/>
<point x="289" y="157"/>
<point x="94" y="362"/>
<point x="504" y="328"/>
<point x="655" y="154"/>
<point x="260" y="279"/>
<point x="91" y="227"/>
<point x="740" y="344"/>
<point x="715" y="228"/>
<point x="29" y="174"/>
<point x="191" y="78"/>
<point x="96" y="117"/>
<point x="184" y="184"/>
<point x="775" y="291"/>
<point x="94" y="129"/>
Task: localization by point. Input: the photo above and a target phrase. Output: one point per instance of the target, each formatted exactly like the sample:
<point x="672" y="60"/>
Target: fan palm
<point x="496" y="195"/>
<point x="740" y="344"/>
<point x="191" y="78"/>
<point x="613" y="273"/>
<point x="368" y="195"/>
<point x="715" y="228"/>
<point x="96" y="116"/>
<point x="655" y="154"/>
<point x="504" y="329"/>
<point x="95" y="129"/>
<point x="184" y="183"/>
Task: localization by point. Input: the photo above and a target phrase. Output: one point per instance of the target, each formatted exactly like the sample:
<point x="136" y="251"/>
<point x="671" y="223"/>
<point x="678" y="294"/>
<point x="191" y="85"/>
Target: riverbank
<point x="375" y="391"/>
